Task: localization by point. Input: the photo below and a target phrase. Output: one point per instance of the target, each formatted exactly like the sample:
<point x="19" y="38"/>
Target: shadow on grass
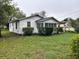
<point x="7" y="34"/>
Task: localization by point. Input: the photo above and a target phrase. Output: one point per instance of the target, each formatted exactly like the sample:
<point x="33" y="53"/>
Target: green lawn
<point x="35" y="47"/>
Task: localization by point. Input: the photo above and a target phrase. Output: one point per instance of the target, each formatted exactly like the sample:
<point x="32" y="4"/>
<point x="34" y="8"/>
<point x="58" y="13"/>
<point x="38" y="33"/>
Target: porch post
<point x="43" y="24"/>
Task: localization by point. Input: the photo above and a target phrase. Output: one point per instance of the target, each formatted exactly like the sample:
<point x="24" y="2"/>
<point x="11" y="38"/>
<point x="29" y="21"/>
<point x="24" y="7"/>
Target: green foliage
<point x="75" y="22"/>
<point x="77" y="29"/>
<point x="48" y="31"/>
<point x="72" y="22"/>
<point x="75" y="47"/>
<point x="7" y="10"/>
<point x="18" y="13"/>
<point x="28" y="31"/>
<point x="45" y="31"/>
<point x="60" y="29"/>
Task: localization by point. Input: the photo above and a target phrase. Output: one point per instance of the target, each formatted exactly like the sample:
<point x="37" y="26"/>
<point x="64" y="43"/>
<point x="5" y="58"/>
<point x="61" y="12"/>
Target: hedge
<point x="45" y="31"/>
<point x="75" y="47"/>
<point x="77" y="29"/>
<point x="27" y="31"/>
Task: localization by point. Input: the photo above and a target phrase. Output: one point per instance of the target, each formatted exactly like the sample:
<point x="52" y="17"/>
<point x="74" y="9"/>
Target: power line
<point x="71" y="13"/>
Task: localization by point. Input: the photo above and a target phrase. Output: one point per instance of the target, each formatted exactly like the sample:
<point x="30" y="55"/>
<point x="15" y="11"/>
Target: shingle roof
<point x="25" y="18"/>
<point x="62" y="22"/>
<point x="40" y="20"/>
<point x="45" y="19"/>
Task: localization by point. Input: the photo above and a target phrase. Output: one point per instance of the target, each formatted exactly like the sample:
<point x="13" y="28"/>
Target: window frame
<point x="16" y="25"/>
<point x="28" y="24"/>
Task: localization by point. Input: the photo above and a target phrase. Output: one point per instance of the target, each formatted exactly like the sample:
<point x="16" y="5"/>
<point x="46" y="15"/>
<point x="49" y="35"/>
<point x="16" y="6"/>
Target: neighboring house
<point x="66" y="25"/>
<point x="33" y="21"/>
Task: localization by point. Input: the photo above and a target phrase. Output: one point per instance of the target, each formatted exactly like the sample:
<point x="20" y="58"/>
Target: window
<point x="28" y="24"/>
<point x="41" y="24"/>
<point x="38" y="25"/>
<point x="51" y="25"/>
<point x="54" y="25"/>
<point x="46" y="25"/>
<point x="16" y="25"/>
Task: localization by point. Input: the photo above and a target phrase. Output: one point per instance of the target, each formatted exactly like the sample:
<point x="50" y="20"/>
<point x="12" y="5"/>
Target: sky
<point x="60" y="9"/>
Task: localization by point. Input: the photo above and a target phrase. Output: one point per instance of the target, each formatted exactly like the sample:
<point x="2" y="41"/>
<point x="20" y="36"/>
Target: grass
<point x="35" y="47"/>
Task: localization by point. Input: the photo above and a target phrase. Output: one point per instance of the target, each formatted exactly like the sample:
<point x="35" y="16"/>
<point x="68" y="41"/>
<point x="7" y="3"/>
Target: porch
<point x="43" y="25"/>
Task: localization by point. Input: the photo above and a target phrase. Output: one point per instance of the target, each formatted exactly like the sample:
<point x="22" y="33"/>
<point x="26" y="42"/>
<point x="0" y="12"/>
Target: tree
<point x="72" y="22"/>
<point x="18" y="14"/>
<point x="75" y="23"/>
<point x="6" y="11"/>
<point x="77" y="28"/>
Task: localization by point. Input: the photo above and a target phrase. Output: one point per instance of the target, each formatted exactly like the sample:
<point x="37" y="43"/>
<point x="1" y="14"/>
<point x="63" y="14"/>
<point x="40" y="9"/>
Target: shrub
<point x="75" y="47"/>
<point x="48" y="31"/>
<point x="59" y="30"/>
<point x="77" y="29"/>
<point x="27" y="31"/>
<point x="45" y="31"/>
<point x="41" y="31"/>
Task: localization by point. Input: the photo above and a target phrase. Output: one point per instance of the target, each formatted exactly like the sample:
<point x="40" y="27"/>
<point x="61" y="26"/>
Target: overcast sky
<point x="59" y="9"/>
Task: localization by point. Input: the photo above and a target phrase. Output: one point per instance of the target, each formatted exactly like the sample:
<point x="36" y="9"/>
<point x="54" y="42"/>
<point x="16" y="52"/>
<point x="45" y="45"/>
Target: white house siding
<point x="62" y="25"/>
<point x="14" y="28"/>
<point x="67" y="27"/>
<point x="18" y="28"/>
<point x="10" y="27"/>
<point x="34" y="25"/>
<point x="23" y="24"/>
<point x="50" y="21"/>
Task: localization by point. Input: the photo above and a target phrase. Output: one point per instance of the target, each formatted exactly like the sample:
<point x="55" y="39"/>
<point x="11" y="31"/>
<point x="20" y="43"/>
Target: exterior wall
<point x="23" y="24"/>
<point x="12" y="27"/>
<point x="67" y="27"/>
<point x="62" y="25"/>
<point x="50" y="21"/>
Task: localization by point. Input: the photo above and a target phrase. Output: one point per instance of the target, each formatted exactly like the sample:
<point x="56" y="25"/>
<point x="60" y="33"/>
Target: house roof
<point x="45" y="19"/>
<point x="40" y="20"/>
<point x="66" y="20"/>
<point x="62" y="22"/>
<point x="24" y="18"/>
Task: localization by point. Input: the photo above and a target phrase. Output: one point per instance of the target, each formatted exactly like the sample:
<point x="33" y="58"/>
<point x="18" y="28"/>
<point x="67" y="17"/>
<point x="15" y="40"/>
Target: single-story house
<point x="34" y="21"/>
<point x="66" y="25"/>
